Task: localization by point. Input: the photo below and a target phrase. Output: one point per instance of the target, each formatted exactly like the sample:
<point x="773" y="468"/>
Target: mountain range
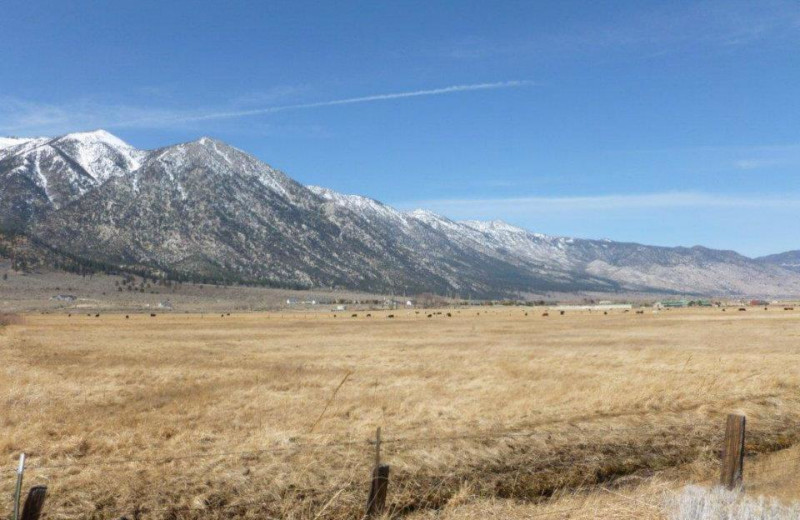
<point x="207" y="210"/>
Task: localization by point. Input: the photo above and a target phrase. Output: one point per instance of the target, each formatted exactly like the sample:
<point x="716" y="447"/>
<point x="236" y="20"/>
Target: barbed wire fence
<point x="431" y="489"/>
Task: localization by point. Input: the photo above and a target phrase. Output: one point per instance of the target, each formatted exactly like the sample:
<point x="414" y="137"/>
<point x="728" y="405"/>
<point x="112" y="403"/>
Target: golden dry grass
<point x="494" y="406"/>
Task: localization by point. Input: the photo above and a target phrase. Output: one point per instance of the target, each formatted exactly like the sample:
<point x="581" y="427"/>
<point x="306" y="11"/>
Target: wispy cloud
<point x="741" y="157"/>
<point x="41" y="118"/>
<point x="659" y="30"/>
<point x="462" y="208"/>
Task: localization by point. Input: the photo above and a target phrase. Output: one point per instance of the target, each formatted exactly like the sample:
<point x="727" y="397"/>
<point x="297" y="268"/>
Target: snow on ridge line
<point x="91" y="154"/>
<point x="492" y="225"/>
<point x="364" y="206"/>
<point x="360" y="202"/>
<point x="96" y="136"/>
<point x="9" y="142"/>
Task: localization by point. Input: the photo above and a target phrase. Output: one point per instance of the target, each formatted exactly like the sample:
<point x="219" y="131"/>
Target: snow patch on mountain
<point x="369" y="209"/>
<point x="100" y="153"/>
<point x="8" y="142"/>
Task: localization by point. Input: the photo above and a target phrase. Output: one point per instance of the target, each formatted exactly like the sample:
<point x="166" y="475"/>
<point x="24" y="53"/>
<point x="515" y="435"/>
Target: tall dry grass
<point x="214" y="414"/>
<point x="8" y="318"/>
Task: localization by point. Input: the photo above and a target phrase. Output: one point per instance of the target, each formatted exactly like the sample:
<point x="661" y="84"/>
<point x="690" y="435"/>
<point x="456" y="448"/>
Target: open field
<point x="34" y="292"/>
<point x="485" y="413"/>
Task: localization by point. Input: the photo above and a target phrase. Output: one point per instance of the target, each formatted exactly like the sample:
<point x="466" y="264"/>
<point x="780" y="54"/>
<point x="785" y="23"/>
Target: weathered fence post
<point x="18" y="488"/>
<point x="34" y="503"/>
<point x="733" y="452"/>
<point x="377" y="491"/>
<point x="380" y="482"/>
<point x="378" y="446"/>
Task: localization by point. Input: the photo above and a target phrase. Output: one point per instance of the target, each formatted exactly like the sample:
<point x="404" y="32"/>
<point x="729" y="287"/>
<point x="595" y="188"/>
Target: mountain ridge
<point x="205" y="209"/>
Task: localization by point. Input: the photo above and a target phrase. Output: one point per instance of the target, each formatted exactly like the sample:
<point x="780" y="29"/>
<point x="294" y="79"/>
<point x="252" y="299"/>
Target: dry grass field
<point x="497" y="412"/>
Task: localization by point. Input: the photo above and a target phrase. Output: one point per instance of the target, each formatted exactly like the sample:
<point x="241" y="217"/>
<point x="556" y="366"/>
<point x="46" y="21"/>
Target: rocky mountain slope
<point x="210" y="211"/>
<point x="788" y="260"/>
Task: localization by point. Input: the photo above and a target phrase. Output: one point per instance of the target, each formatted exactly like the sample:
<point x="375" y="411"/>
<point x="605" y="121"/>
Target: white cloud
<point x="538" y="205"/>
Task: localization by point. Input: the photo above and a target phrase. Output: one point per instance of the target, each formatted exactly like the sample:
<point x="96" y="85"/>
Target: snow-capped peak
<point x="94" y="137"/>
<point x="100" y="153"/>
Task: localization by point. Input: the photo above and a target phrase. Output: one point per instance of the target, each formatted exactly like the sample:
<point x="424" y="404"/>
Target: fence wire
<point x="553" y="463"/>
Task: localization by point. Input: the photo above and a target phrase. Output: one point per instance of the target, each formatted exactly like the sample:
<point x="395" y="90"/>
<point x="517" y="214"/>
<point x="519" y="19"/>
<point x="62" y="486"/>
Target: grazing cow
<point x="639" y="312"/>
<point x="152" y="315"/>
<point x="430" y="315"/>
<point x="127" y="317"/>
<point x="97" y="315"/>
<point x="742" y="309"/>
<point x="449" y="315"/>
<point x="605" y="313"/>
<point x="390" y="316"/>
<point x="354" y="316"/>
<point x="545" y="314"/>
<point x="563" y="312"/>
<point x="369" y="315"/>
<point x="788" y="308"/>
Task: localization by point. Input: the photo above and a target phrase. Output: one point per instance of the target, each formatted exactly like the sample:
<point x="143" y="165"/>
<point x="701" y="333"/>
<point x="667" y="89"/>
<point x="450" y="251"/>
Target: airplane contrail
<point x="348" y="101"/>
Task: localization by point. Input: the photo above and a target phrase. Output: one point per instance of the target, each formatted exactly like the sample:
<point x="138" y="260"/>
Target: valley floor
<point x="485" y="413"/>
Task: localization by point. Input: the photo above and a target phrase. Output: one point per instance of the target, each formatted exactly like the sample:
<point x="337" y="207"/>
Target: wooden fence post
<point x="376" y="502"/>
<point x="34" y="503"/>
<point x="378" y="446"/>
<point x="733" y="452"/>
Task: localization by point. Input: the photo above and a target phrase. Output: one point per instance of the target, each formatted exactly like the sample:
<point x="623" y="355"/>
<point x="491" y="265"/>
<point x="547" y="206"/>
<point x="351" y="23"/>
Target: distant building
<point x="672" y="304"/>
<point x="678" y="304"/>
<point x="64" y="298"/>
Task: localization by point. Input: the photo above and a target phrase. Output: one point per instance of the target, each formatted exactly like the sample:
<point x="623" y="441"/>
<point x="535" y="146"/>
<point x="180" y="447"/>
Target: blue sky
<point x="674" y="123"/>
